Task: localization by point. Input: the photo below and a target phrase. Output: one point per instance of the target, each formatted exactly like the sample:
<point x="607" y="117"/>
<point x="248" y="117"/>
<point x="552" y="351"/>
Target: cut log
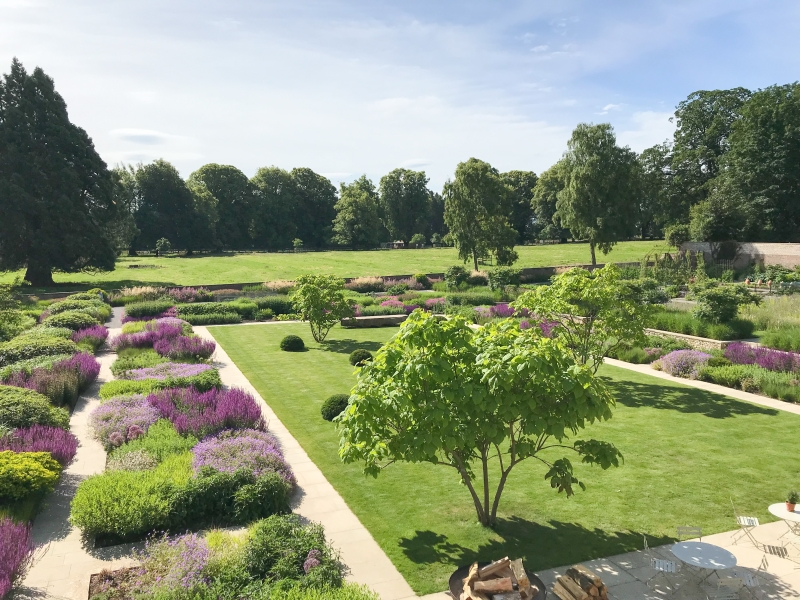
<point x="493" y="586"/>
<point x="562" y="592"/>
<point x="493" y="568"/>
<point x="573" y="588"/>
<point x="469" y="594"/>
<point x="523" y="583"/>
<point x="507" y="596"/>
<point x="604" y="594"/>
<point x="472" y="575"/>
<point x="594" y="592"/>
<point x="584" y="576"/>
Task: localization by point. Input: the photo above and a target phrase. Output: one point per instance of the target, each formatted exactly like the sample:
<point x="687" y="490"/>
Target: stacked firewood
<point x="503" y="579"/>
<point x="580" y="583"/>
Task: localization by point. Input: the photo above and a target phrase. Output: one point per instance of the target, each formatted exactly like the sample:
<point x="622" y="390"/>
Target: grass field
<point x="254" y="267"/>
<point x="686" y="451"/>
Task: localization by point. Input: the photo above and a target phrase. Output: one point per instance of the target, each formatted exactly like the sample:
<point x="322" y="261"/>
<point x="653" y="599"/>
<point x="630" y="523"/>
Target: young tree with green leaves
<point x="595" y="312"/>
<point x="476" y="210"/>
<point x="358" y="221"/>
<point x="405" y="202"/>
<point x="654" y="202"/>
<point x="601" y="187"/>
<point x="479" y="402"/>
<point x="56" y="193"/>
<point x="320" y="300"/>
<point x="546" y="224"/>
<point x="520" y="185"/>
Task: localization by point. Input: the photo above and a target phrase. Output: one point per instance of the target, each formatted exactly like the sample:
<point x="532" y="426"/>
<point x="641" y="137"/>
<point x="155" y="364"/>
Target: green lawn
<point x="686" y="452"/>
<point x="254" y="267"/>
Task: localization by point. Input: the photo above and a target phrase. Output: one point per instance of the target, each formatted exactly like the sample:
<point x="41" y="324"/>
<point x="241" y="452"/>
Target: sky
<point x="350" y="88"/>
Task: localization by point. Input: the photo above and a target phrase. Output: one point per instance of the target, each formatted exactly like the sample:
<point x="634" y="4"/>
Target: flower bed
<point x="682" y="363"/>
<point x="166" y="370"/>
<point x="766" y="358"/>
<point x="61" y="444"/>
<point x="250" y="449"/>
<point x="16" y="553"/>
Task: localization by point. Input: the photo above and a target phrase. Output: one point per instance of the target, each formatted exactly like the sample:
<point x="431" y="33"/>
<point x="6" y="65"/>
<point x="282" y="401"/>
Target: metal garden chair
<point x="662" y="566"/>
<point x="727" y="589"/>
<point x="689" y="532"/>
<point x="750" y="579"/>
<point x="745" y="524"/>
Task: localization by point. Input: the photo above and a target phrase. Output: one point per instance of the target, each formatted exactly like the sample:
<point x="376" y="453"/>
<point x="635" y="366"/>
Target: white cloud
<point x="646" y="129"/>
<point x="542" y="48"/>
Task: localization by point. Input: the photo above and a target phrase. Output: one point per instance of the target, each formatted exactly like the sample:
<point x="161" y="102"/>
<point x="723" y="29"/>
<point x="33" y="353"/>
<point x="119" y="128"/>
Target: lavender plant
<point x="122" y="419"/>
<point x="16" y="553"/>
<point x="165" y="370"/>
<point x="61" y="444"/>
<point x="231" y="450"/>
<point x="682" y="363"/>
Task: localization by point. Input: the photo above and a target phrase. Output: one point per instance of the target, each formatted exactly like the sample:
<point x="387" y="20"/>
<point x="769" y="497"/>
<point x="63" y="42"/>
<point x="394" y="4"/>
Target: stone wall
<point x="760" y="253"/>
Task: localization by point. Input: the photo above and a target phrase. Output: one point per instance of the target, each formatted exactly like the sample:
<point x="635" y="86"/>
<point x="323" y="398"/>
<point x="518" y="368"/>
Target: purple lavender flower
<point x="312" y="560"/>
<point x="683" y="363"/>
<point x="773" y="360"/>
<point x="189" y="294"/>
<point x="204" y="413"/>
<point x="740" y="353"/>
<point x="184" y="347"/>
<point x="118" y="416"/>
<point x="61" y="382"/>
<point x="84" y="364"/>
<point x="502" y="310"/>
<point x="154" y="331"/>
<point x="524" y="324"/>
<point x="96" y="334"/>
<point x="434" y="304"/>
<point x="61" y="444"/>
<point x="166" y="370"/>
<point x="250" y="449"/>
<point x="393" y="302"/>
<point x="483" y="312"/>
<point x="170" y="313"/>
<point x="16" y="553"/>
<point x="175" y="564"/>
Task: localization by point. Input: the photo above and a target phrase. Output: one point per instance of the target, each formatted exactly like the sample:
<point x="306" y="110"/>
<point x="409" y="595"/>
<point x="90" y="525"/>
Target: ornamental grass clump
<point x="682" y="363"/>
<point x="16" y="553"/>
<point x="122" y="420"/>
<point x="249" y="449"/>
<point x="185" y="348"/>
<point x="205" y="413"/>
<point x="61" y="444"/>
<point x="190" y="294"/>
<point x="165" y="371"/>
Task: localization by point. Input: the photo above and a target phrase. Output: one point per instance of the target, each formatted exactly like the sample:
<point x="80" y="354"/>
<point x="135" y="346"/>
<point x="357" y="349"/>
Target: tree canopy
<point x="56" y="193"/>
<point x="233" y="194"/>
<point x="358" y="220"/>
<point x="319" y="299"/>
<point x="521" y="185"/>
<point x="314" y="208"/>
<point x="405" y="202"/>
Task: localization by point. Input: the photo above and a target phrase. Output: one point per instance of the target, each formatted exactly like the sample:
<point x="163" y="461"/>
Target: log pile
<point x="503" y="579"/>
<point x="580" y="583"/>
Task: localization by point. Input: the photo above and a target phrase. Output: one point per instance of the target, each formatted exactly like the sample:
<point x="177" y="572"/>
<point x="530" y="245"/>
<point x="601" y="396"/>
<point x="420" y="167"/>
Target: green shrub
<point x="72" y="319"/>
<point x="455" y="276"/>
<point x="718" y="361"/>
<point x="96" y="308"/>
<point x="752" y="378"/>
<point x="160" y="441"/>
<point x="423" y="280"/>
<point x="397" y="289"/>
<point x="24" y="474"/>
<point x="245" y="307"/>
<point x="151" y="308"/>
<point x="299" y="591"/>
<point x="122" y="387"/>
<point x="721" y="304"/>
<point x="136" y="358"/>
<point x="334" y="406"/>
<point x="365" y="285"/>
<point x="98" y="295"/>
<point x="471" y="298"/>
<point x="28" y="365"/>
<point x="375" y="311"/>
<point x="203" y="308"/>
<point x="785" y="338"/>
<point x="292" y="343"/>
<point x="683" y="322"/>
<point x="265" y="314"/>
<point x="360" y="356"/>
<point x="14" y="322"/>
<point x="213" y="319"/>
<point x="20" y="407"/>
<point x="502" y="277"/>
<point x="478" y="278"/>
<point x="635" y="355"/>
<point x="277" y="304"/>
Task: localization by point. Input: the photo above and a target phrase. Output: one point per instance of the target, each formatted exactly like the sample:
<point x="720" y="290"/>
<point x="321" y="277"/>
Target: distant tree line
<point x="732" y="171"/>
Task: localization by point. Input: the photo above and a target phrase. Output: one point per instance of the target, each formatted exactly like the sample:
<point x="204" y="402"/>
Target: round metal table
<point x="704" y="556"/>
<point x="792" y="519"/>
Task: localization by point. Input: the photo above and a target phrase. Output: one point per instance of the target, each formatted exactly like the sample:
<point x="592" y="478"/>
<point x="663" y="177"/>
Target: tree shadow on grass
<point x="541" y="545"/>
<point x="347" y="346"/>
<point x="683" y="399"/>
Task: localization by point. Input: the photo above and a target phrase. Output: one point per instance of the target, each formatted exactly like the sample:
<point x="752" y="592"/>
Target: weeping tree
<point x="56" y="193"/>
<point x="478" y="402"/>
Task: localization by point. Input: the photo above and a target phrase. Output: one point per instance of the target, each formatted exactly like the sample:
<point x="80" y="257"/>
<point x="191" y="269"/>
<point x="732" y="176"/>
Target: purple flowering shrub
<point x="62" y="382"/>
<point x="165" y="370"/>
<point x="172" y="565"/>
<point x="204" y="413"/>
<point x="16" y="553"/>
<point x="154" y="331"/>
<point x="502" y="310"/>
<point x="546" y="327"/>
<point x="190" y="294"/>
<point x="393" y="302"/>
<point x="95" y="336"/>
<point x="312" y="560"/>
<point x="61" y="444"/>
<point x="773" y="360"/>
<point x="185" y="348"/>
<point x="122" y="419"/>
<point x="250" y="449"/>
<point x="435" y="305"/>
<point x="170" y="313"/>
<point x="85" y="365"/>
<point x="682" y="363"/>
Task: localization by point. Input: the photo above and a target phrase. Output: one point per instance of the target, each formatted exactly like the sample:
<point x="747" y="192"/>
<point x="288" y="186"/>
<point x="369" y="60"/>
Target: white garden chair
<point x="689" y="532"/>
<point x="727" y="589"/>
<point x="750" y="579"/>
<point x="745" y="524"/>
<point x="662" y="566"/>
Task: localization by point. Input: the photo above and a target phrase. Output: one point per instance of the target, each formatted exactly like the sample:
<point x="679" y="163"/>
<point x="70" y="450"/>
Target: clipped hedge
<point x="96" y="308"/>
<point x="72" y="319"/>
<point x="26" y="347"/>
<point x="26" y="474"/>
<point x="686" y="323"/>
<point x="279" y="305"/>
<point x="121" y="387"/>
<point x="360" y="356"/>
<point x="292" y="343"/>
<point x="471" y="298"/>
<point x="213" y="319"/>
<point x="334" y="406"/>
<point x="21" y="407"/>
<point x="150" y="308"/>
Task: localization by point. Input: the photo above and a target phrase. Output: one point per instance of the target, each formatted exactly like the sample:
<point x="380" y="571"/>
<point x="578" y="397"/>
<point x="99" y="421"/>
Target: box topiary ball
<point x="292" y="343"/>
<point x="359" y="357"/>
<point x="334" y="406"/>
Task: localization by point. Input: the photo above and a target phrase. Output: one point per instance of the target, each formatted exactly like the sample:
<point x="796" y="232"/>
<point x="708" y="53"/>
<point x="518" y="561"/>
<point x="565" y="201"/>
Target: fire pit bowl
<point x="457" y="581"/>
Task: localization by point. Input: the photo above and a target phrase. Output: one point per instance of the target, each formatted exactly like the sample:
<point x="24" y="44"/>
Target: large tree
<point x="273" y="225"/>
<point x="437" y="224"/>
<point x="476" y="209"/>
<point x="546" y="224"/>
<point x="56" y="193"/>
<point x="655" y="206"/>
<point x="405" y="203"/>
<point x="478" y="402"/>
<point x="315" y="199"/>
<point x="521" y="184"/>
<point x="358" y="222"/>
<point x="598" y="202"/>
<point x="233" y="194"/>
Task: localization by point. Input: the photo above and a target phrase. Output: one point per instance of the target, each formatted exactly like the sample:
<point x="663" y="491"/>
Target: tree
<point x="315" y="199"/>
<point x="417" y="240"/>
<point x="405" y="201"/>
<point x="476" y="211"/>
<point x="274" y="206"/>
<point x="358" y="223"/>
<point x="163" y="246"/>
<point x="654" y="205"/>
<point x="319" y="299"/>
<point x="594" y="311"/>
<point x="13" y="320"/>
<point x="56" y="193"/>
<point x="233" y="195"/>
<point x="546" y="224"/>
<point x="479" y="402"/>
<point x="598" y="202"/>
<point x="122" y="230"/>
<point x="437" y="224"/>
<point x="521" y="184"/>
<point x="206" y="216"/>
<point x="719" y="218"/>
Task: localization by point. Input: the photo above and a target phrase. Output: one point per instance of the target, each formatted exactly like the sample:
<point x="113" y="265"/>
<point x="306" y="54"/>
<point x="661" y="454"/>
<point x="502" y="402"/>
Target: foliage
<point x="150" y="334"/>
<point x="360" y="356"/>
<point x="455" y="276"/>
<point x="682" y="363"/>
<point x="334" y="406"/>
<point x="62" y="382"/>
<point x="16" y="553"/>
<point x="320" y="300"/>
<point x="766" y="358"/>
<point x="96" y="308"/>
<point x="521" y="185"/>
<point x="34" y="344"/>
<point x="136" y="460"/>
<point x="678" y="321"/>
<point x="357" y="223"/>
<point x="677" y="234"/>
<point x="217" y="318"/>
<point x="594" y="310"/>
<point x="477" y="205"/>
<point x="91" y="337"/>
<point x="185" y="348"/>
<point x="405" y="202"/>
<point x="121" y="420"/>
<point x="26" y="474"/>
<point x="365" y="285"/>
<point x="470" y="298"/>
<point x="249" y="449"/>
<point x="190" y="294"/>
<point x="721" y="304"/>
<point x="135" y="358"/>
<point x="61" y="444"/>
<point x="160" y="441"/>
<point x="20" y="407"/>
<point x="402" y="407"/>
<point x="71" y="319"/>
<point x="754" y="379"/>
<point x="502" y="277"/>
<point x="150" y="308"/>
<point x="205" y="381"/>
<point x="546" y="223"/>
<point x="785" y="338"/>
<point x="292" y="343"/>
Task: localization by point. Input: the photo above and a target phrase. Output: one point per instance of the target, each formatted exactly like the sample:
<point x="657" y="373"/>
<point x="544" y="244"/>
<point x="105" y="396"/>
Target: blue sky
<point x="347" y="88"/>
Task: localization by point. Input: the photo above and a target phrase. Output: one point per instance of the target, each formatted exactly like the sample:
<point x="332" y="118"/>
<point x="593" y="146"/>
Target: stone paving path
<point x="317" y="500"/>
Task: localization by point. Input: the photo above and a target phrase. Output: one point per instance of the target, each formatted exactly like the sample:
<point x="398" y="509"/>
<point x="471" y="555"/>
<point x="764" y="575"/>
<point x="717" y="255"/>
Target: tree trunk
<point x="594" y="258"/>
<point x="475" y="258"/>
<point x="39" y="275"/>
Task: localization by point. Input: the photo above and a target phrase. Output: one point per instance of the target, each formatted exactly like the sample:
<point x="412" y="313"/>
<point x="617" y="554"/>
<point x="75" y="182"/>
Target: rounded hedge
<point x="334" y="406"/>
<point x="21" y="407"/>
<point x="359" y="357"/>
<point x="31" y="346"/>
<point x="72" y="319"/>
<point x="24" y="474"/>
<point x="292" y="343"/>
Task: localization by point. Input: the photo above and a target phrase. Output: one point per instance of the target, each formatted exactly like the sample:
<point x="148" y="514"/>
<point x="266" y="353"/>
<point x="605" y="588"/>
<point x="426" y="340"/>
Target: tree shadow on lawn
<point x="347" y="346"/>
<point x="541" y="545"/>
<point x="683" y="399"/>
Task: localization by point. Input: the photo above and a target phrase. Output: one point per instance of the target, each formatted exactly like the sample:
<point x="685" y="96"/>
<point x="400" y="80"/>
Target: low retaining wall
<point x="760" y="253"/>
<point x="377" y="321"/>
<point x="698" y="343"/>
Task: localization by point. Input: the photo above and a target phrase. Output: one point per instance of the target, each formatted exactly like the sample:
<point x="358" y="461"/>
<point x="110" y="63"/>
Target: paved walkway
<point x="316" y="500"/>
